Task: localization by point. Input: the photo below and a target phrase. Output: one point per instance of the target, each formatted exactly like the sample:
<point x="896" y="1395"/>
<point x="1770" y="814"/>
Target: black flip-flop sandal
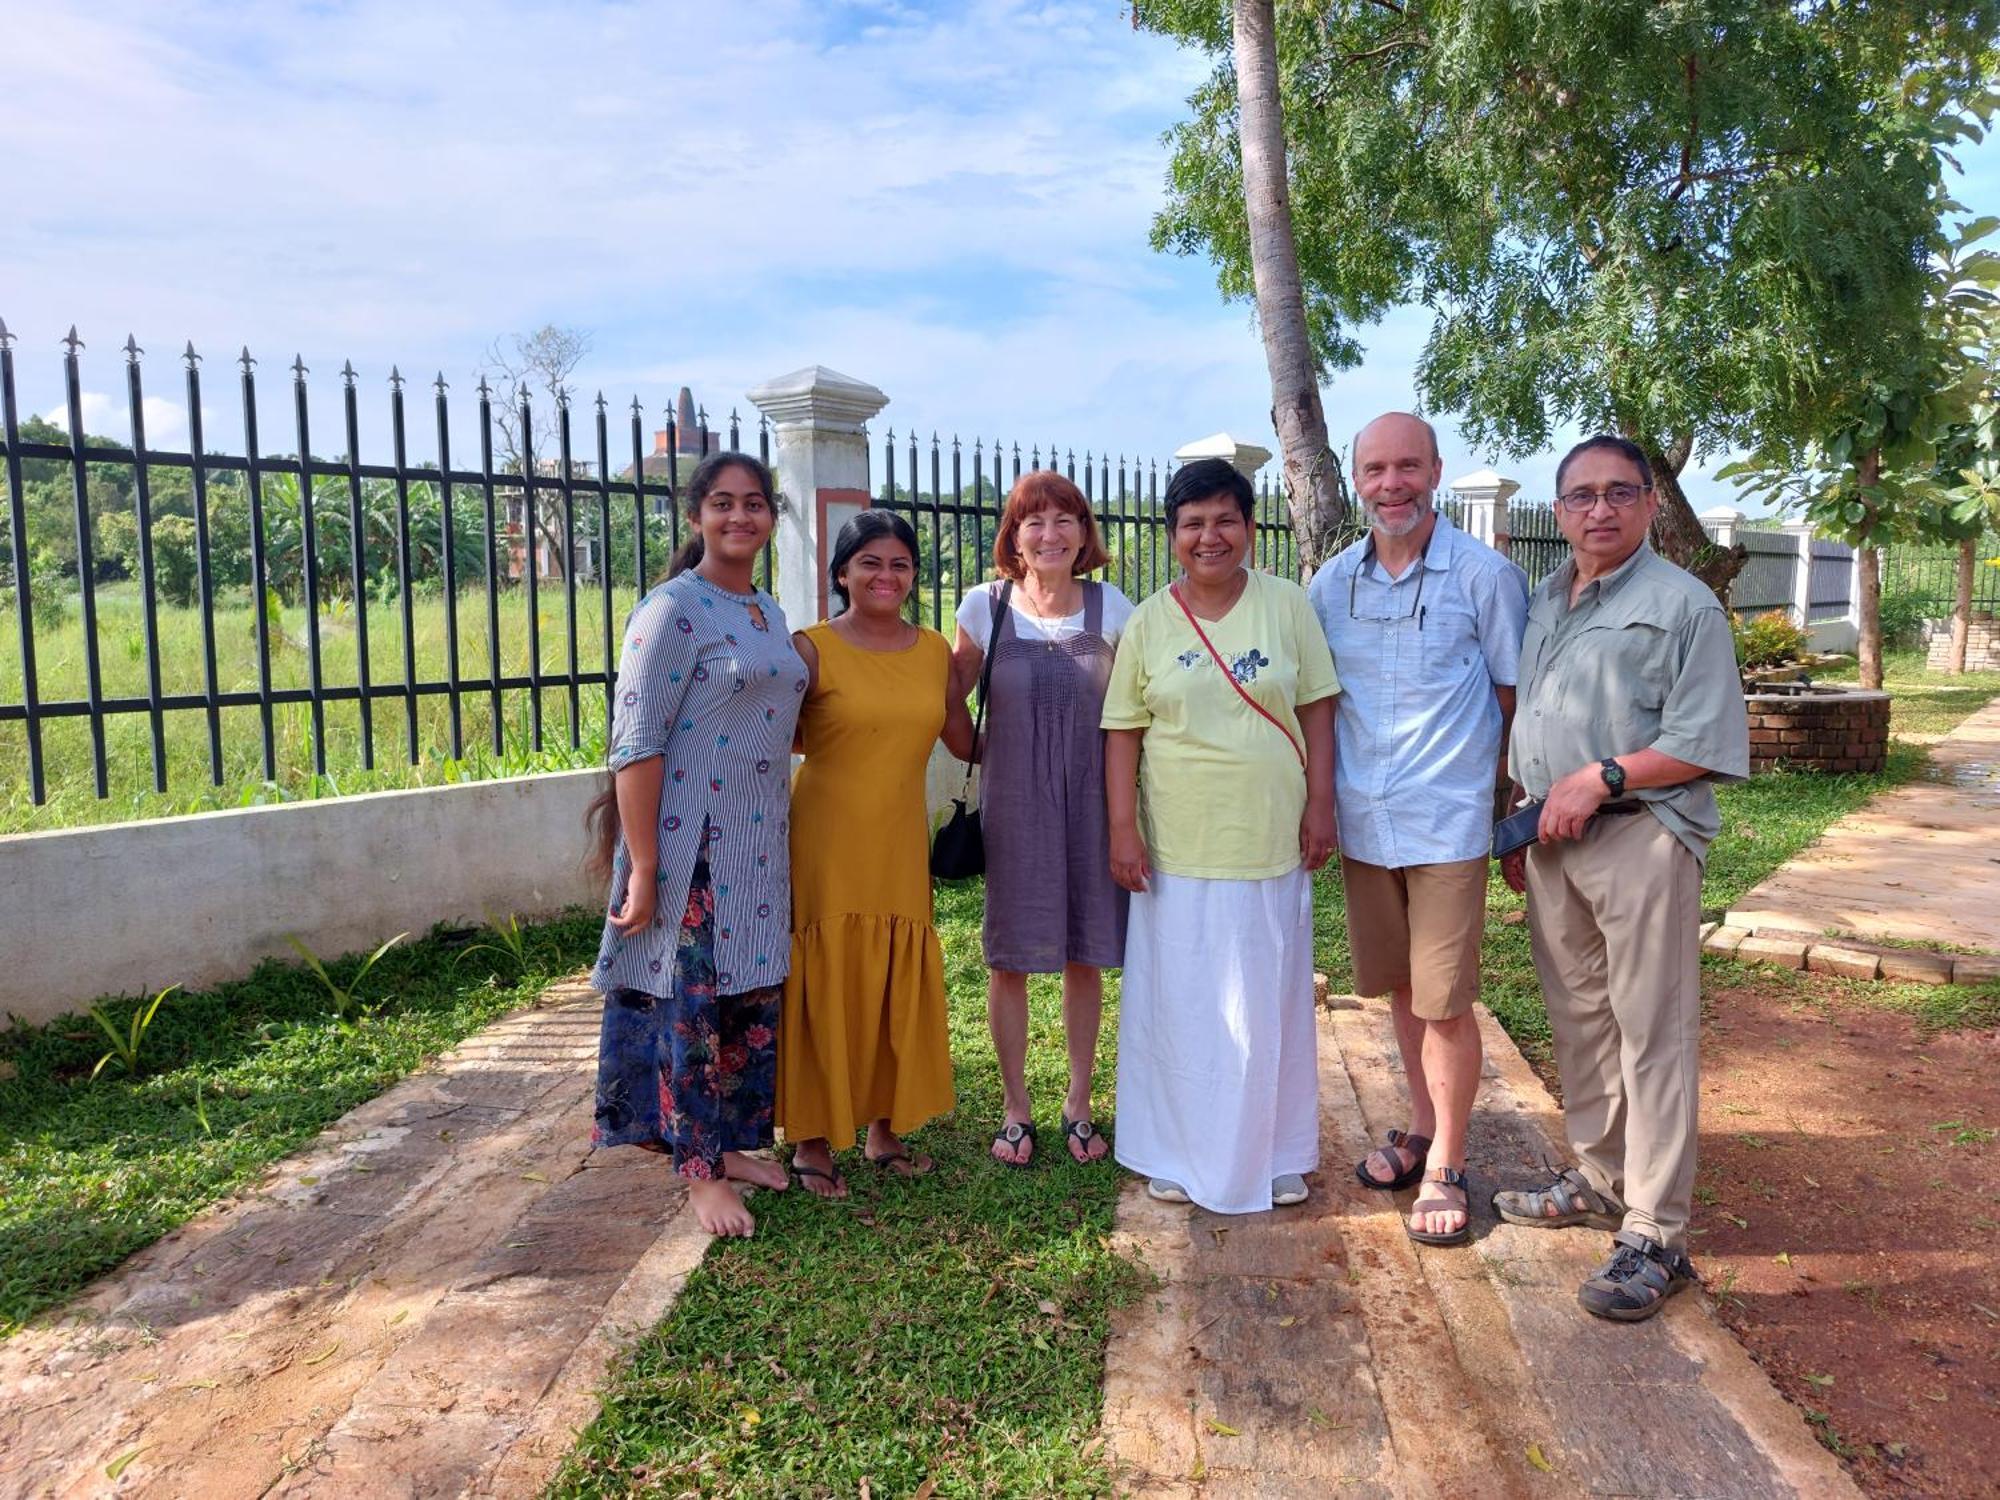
<point x="1450" y="1177"/>
<point x="887" y="1162"/>
<point x="1083" y="1132"/>
<point x="1398" y="1141"/>
<point x="1011" y="1135"/>
<point x="833" y="1177"/>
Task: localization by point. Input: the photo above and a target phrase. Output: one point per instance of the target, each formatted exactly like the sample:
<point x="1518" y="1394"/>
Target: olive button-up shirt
<point x="1642" y="661"/>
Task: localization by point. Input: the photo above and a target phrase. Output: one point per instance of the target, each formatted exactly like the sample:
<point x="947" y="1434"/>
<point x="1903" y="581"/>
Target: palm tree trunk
<point x="1315" y="488"/>
<point x="1961" y="605"/>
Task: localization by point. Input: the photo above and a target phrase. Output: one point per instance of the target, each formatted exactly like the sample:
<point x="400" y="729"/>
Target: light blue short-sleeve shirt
<point x="1418" y="727"/>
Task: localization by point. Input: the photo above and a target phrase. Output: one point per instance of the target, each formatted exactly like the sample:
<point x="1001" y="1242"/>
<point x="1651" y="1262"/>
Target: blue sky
<point x="949" y="201"/>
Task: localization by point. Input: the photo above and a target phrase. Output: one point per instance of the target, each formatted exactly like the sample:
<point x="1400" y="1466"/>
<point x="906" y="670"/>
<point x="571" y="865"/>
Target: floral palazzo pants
<point x="695" y="1074"/>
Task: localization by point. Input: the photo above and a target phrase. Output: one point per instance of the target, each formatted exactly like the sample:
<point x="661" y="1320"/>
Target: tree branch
<point x="1417" y="42"/>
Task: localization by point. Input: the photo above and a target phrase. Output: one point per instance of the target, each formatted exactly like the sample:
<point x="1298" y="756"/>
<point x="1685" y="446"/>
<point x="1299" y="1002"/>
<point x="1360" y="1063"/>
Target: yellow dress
<point x="863" y="1031"/>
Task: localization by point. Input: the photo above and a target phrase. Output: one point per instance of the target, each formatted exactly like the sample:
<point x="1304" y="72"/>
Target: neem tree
<point x="1907" y="453"/>
<point x="1679" y="221"/>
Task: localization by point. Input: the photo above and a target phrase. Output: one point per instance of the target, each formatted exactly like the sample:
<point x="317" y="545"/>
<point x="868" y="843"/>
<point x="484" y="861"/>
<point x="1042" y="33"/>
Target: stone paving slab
<point x="421" y="1303"/>
<point x="1918" y="864"/>
<point x="1318" y="1350"/>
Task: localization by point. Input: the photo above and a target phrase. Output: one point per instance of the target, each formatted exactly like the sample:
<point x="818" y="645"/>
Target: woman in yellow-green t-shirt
<point x="1219" y="772"/>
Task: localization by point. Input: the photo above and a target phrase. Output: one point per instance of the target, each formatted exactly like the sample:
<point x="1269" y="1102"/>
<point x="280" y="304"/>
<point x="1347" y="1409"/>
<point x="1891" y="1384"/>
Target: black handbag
<point x="958" y="849"/>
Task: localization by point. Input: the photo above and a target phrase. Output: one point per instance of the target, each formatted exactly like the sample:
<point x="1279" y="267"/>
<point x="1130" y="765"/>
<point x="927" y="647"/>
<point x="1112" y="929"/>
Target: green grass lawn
<point x="1926" y="702"/>
<point x="230" y="1080"/>
<point x="950" y="1328"/>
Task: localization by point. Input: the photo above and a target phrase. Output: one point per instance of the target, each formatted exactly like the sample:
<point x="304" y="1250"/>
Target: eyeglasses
<point x="1416" y="610"/>
<point x="1580" y="502"/>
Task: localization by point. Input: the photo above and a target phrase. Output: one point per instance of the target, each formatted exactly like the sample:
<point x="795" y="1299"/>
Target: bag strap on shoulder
<point x="1230" y="677"/>
<point x="1000" y="597"/>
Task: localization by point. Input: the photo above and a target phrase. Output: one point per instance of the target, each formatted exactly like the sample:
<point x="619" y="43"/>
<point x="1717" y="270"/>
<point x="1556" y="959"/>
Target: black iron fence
<point x="1927" y="576"/>
<point x="1535" y="540"/>
<point x="953" y="497"/>
<point x="355" y="550"/>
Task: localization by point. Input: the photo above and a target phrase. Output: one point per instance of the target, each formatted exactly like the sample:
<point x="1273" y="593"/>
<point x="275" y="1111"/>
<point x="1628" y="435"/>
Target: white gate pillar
<point x="820" y="452"/>
<point x="1485" y="494"/>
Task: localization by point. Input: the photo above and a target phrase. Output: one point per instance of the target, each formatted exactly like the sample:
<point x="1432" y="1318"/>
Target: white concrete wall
<point x="137" y="906"/>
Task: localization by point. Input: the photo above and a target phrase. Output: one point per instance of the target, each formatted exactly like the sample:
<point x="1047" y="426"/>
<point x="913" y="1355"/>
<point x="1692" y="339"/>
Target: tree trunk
<point x="1677" y="532"/>
<point x="1315" y="488"/>
<point x="1961" y="605"/>
<point x="1868" y="570"/>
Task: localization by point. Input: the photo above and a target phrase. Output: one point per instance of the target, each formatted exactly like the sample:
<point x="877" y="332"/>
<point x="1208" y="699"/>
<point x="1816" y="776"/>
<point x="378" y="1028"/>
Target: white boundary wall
<point x="135" y="907"/>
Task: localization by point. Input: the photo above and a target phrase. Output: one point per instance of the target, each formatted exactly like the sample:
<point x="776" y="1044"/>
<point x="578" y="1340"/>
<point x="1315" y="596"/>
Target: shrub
<point x="1767" y="640"/>
<point x="1903" y="615"/>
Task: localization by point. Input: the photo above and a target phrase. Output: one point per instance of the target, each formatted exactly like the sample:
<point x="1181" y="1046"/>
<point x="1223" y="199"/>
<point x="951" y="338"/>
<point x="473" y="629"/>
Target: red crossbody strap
<point x="1230" y="677"/>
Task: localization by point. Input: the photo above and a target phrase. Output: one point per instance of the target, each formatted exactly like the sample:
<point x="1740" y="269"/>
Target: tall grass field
<point x="569" y="739"/>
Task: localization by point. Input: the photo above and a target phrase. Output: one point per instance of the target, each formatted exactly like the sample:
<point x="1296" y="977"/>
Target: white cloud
<point x="950" y="201"/>
<point x="108" y="416"/>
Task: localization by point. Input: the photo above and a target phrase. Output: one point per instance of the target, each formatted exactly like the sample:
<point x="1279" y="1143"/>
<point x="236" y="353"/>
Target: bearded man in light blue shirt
<point x="1425" y="622"/>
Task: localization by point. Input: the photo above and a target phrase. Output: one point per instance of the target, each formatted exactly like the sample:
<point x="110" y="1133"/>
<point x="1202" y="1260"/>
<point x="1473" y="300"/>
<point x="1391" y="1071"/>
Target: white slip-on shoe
<point x="1166" y="1192"/>
<point x="1287" y="1190"/>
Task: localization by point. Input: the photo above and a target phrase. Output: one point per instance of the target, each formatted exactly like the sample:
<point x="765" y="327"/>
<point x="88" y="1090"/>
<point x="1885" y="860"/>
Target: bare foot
<point x="758" y="1171"/>
<point x="720" y="1211"/>
<point x="812" y="1162"/>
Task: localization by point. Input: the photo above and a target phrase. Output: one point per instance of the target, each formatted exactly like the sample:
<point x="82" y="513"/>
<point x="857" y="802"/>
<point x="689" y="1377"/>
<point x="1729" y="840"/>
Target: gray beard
<point x="1417" y="518"/>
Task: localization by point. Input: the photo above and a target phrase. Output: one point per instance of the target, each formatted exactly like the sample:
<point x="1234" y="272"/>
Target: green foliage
<point x="126" y="1045"/>
<point x="1902" y="614"/>
<point x="509" y="940"/>
<point x="1768" y="640"/>
<point x="1684" y="222"/>
<point x="345" y="998"/>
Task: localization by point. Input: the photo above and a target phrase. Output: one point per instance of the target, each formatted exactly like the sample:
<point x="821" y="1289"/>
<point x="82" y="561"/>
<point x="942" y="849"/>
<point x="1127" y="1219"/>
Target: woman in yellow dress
<point x="862" y="1040"/>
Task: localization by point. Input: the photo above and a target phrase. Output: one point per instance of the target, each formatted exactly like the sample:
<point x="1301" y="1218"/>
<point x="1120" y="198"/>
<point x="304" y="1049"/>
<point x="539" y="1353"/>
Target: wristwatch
<point x="1613" y="774"/>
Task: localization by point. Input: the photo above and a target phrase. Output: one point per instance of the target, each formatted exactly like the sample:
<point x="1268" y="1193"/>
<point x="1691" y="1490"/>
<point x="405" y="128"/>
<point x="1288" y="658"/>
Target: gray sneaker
<point x="1287" y="1190"/>
<point x="1636" y="1282"/>
<point x="1165" y="1191"/>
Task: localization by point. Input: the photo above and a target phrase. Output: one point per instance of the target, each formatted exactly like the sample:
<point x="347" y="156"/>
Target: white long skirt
<point x="1218" y="1070"/>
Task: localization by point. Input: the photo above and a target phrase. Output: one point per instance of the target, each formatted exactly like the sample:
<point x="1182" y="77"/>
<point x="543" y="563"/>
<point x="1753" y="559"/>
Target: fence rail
<point x="328" y="532"/>
<point x="1929" y="575"/>
<point x="953" y="499"/>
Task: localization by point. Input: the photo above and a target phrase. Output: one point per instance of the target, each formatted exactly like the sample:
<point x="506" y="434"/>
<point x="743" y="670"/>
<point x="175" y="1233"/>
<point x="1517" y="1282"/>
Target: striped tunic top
<point x="715" y="695"/>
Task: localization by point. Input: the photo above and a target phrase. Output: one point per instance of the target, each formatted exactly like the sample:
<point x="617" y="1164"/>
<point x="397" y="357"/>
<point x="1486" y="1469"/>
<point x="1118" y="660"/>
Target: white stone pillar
<point x="1247" y="458"/>
<point x="820" y="452"/>
<point x="1721" y="523"/>
<point x="1485" y="494"/>
<point x="1802" y="534"/>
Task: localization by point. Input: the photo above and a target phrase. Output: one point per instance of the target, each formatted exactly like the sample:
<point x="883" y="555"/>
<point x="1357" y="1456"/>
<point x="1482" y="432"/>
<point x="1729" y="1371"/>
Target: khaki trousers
<point x="1615" y="922"/>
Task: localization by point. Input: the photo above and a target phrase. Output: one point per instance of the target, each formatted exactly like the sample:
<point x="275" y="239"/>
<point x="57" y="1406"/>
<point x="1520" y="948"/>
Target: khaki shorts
<point x="1418" y="926"/>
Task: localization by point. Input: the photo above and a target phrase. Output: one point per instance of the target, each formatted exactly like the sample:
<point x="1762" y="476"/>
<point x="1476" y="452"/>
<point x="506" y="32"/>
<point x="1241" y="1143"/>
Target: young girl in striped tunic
<point x="693" y="837"/>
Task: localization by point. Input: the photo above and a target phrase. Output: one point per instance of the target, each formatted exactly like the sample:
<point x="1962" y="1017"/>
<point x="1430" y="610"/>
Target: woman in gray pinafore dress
<point x="1051" y="905"/>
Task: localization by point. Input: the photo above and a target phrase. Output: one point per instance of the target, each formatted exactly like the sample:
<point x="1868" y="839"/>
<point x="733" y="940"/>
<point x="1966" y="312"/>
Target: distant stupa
<point x="686" y="428"/>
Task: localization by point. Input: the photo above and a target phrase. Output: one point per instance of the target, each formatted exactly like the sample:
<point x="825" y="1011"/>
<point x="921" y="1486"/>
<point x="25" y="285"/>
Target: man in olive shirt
<point x="1629" y="710"/>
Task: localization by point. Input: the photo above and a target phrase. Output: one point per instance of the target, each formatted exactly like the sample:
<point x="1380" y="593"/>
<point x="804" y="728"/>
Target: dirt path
<point x="1317" y="1351"/>
<point x="421" y="1303"/>
<point x="1848" y="1214"/>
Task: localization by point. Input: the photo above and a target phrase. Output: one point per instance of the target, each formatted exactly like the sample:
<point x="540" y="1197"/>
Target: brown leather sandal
<point x="1398" y="1140"/>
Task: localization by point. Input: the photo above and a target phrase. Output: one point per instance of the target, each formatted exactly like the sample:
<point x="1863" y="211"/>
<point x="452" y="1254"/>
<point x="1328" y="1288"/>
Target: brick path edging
<point x="1848" y="957"/>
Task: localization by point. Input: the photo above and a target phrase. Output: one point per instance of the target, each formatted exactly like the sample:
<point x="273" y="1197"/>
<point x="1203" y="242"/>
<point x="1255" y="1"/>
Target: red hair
<point x="1034" y="492"/>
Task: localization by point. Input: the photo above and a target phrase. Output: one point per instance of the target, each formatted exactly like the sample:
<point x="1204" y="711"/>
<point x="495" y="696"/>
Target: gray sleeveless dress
<point x="1050" y="899"/>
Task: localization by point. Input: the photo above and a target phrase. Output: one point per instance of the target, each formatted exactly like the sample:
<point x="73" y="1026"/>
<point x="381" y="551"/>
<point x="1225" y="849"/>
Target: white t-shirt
<point x="975" y="615"/>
